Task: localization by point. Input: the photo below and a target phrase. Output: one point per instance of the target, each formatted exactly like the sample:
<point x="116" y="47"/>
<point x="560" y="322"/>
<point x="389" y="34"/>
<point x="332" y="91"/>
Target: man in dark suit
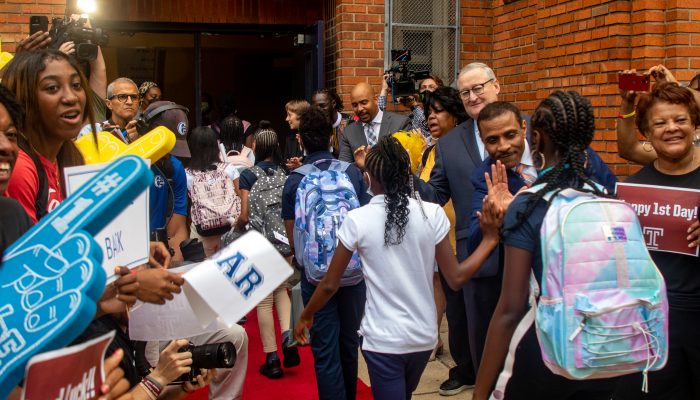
<point x="374" y="123"/>
<point x="457" y="155"/>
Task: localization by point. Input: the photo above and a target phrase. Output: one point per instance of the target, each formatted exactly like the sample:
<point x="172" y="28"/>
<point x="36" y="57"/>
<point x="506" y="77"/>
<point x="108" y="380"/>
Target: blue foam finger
<point x="51" y="278"/>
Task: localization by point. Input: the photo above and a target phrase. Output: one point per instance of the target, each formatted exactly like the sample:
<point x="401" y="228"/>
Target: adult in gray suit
<point x="374" y="123"/>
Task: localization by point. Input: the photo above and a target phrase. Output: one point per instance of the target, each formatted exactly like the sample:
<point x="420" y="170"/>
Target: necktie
<point x="371" y="135"/>
<point x="525" y="171"/>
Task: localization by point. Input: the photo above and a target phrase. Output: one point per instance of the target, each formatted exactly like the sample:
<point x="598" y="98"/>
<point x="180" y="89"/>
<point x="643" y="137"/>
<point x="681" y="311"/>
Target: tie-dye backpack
<point x="602" y="310"/>
<point x="323" y="199"/>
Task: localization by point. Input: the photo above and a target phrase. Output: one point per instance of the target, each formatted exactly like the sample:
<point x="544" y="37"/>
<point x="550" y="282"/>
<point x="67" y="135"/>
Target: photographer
<point x="414" y="102"/>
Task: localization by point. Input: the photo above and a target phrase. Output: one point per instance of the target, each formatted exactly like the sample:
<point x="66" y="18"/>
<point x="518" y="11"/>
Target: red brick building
<point x="534" y="46"/>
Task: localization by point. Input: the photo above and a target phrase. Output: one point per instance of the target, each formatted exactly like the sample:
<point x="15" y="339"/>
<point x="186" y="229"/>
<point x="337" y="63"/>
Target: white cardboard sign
<point x="235" y="280"/>
<point x="125" y="241"/>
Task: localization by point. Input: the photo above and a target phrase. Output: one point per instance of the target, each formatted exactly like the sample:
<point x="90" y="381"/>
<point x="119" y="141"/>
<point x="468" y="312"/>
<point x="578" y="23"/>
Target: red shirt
<point x="24" y="184"/>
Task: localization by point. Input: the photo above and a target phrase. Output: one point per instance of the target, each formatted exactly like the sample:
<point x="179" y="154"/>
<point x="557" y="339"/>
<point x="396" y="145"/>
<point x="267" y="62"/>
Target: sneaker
<point x="272" y="369"/>
<point x="291" y="355"/>
<point x="452" y="387"/>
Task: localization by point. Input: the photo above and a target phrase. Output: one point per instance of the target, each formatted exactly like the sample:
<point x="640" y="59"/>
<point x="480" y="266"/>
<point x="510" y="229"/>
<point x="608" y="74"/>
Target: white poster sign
<point x="125" y="241"/>
<point x="235" y="280"/>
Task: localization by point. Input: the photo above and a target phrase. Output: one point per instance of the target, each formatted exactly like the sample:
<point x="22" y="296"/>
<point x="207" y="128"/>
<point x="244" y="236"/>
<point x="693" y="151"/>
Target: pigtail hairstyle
<point x="566" y="118"/>
<point x="388" y="163"/>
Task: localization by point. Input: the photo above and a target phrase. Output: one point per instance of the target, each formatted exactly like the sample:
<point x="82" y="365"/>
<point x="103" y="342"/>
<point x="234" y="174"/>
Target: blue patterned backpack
<point x="323" y="199"/>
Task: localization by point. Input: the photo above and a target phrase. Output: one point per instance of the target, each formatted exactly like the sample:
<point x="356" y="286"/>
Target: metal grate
<point x="429" y="29"/>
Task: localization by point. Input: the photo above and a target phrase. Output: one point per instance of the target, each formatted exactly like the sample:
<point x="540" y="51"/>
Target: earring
<point x="647" y="149"/>
<point x="538" y="158"/>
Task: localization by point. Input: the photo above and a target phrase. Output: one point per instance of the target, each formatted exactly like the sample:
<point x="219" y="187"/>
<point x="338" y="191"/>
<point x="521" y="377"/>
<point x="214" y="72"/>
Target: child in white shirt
<point x="398" y="239"/>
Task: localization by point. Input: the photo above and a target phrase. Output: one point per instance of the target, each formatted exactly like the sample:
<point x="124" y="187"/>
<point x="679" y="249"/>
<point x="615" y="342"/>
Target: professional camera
<point x="215" y="355"/>
<point x="401" y="79"/>
<point x="86" y="39"/>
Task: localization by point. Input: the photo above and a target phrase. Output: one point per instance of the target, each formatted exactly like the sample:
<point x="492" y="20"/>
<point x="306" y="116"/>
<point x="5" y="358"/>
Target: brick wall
<point x="14" y="18"/>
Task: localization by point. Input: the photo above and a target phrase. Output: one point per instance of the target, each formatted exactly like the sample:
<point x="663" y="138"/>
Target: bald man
<point x="374" y="123"/>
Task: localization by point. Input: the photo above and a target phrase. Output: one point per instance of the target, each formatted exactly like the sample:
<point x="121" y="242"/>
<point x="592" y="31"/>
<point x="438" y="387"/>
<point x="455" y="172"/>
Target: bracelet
<point x="155" y="382"/>
<point x="152" y="387"/>
<point x="625" y="116"/>
<point x="148" y="392"/>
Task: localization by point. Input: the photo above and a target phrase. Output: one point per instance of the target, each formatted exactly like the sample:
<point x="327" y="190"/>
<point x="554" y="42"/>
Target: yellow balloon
<point x="153" y="145"/>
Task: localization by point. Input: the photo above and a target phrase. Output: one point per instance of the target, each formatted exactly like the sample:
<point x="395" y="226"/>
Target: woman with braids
<point x="398" y="238"/>
<point x="668" y="117"/>
<point x="563" y="127"/>
<point x="268" y="158"/>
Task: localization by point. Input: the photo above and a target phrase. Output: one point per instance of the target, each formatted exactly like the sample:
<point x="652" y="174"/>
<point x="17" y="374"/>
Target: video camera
<point x="86" y="39"/>
<point x="402" y="80"/>
<point x="215" y="355"/>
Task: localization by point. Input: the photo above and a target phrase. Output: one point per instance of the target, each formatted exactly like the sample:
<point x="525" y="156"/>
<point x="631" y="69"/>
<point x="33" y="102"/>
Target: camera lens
<point x="216" y="355"/>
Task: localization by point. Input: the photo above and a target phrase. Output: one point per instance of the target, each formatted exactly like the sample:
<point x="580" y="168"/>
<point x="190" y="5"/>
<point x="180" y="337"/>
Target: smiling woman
<point x="54" y="93"/>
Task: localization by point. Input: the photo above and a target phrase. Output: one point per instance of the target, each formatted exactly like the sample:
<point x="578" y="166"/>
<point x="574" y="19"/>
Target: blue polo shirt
<point x="159" y="194"/>
<point x="289" y="193"/>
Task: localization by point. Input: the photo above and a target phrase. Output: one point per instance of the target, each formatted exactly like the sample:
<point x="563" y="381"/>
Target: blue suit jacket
<point x="456" y="157"/>
<point x="597" y="170"/>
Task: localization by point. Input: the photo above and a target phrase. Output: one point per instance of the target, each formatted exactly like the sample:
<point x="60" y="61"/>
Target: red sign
<point x="665" y="213"/>
<point x="71" y="373"/>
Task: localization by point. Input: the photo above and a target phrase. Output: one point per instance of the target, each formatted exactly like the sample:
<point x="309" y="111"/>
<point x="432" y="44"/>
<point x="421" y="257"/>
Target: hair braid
<point x="388" y="163"/>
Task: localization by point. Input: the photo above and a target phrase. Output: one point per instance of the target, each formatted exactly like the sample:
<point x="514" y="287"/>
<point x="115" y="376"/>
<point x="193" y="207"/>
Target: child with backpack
<point x="398" y="238"/>
<point x="575" y="264"/>
<point x="212" y="187"/>
<point x="334" y="340"/>
<point x="261" y="200"/>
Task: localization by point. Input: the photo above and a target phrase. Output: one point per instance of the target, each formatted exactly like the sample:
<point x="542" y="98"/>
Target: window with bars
<point x="429" y="29"/>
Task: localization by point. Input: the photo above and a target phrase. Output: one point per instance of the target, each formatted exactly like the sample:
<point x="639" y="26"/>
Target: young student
<point x="268" y="161"/>
<point x="334" y="339"/>
<point x="398" y="239"/>
<point x="563" y="127"/>
<point x="212" y="186"/>
<point x="55" y="94"/>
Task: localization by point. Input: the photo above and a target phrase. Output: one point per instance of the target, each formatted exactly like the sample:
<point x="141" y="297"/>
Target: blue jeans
<point x="395" y="376"/>
<point x="334" y="340"/>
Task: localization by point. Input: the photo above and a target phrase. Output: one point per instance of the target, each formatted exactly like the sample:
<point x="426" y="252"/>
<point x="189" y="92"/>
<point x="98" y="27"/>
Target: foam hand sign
<point x="51" y="278"/>
<point x="153" y="145"/>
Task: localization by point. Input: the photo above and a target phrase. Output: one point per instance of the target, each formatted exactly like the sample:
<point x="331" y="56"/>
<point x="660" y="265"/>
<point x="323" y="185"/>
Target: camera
<point x="86" y="39"/>
<point x="401" y="79"/>
<point x="215" y="355"/>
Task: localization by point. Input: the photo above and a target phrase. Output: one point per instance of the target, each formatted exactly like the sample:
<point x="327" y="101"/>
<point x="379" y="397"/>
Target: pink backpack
<point x="214" y="200"/>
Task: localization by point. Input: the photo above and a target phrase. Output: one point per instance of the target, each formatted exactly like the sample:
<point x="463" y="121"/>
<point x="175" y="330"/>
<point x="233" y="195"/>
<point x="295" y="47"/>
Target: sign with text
<point x="48" y="378"/>
<point x="51" y="277"/>
<point x="235" y="280"/>
<point x="125" y="240"/>
<point x="173" y="320"/>
<point x="665" y="214"/>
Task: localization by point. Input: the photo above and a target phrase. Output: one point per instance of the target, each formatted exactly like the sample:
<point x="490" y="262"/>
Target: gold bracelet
<point x="625" y="116"/>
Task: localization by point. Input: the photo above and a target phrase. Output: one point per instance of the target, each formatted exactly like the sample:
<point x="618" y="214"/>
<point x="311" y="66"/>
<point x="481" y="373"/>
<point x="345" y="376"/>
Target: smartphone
<point x="38" y="23"/>
<point x="636" y="82"/>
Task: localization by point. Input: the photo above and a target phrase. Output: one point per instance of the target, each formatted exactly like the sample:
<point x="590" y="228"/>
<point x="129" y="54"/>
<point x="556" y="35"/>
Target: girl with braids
<point x="268" y="160"/>
<point x="563" y="127"/>
<point x="398" y="238"/>
<point x="232" y="137"/>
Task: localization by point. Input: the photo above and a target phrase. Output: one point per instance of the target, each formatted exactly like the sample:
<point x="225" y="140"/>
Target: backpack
<point x="602" y="310"/>
<point x="214" y="200"/>
<point x="323" y="199"/>
<point x="240" y="159"/>
<point x="265" y="207"/>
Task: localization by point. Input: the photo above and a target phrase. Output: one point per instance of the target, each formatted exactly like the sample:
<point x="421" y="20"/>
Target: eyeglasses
<point x="476" y="89"/>
<point x="123" y="96"/>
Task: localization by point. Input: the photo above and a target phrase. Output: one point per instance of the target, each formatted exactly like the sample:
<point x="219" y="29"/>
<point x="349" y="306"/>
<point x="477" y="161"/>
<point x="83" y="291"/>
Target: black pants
<point x="480" y="299"/>
<point x="457" y="335"/>
<point x="680" y="378"/>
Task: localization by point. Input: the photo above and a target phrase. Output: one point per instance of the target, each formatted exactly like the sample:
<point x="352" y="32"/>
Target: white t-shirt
<point x="400" y="314"/>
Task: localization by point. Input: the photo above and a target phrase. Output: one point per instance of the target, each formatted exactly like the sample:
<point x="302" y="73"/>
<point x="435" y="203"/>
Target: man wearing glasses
<point x="457" y="155"/>
<point x="123" y="102"/>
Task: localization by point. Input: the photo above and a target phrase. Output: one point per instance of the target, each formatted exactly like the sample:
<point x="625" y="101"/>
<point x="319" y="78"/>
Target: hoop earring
<point x="647" y="143"/>
<point x="535" y="155"/>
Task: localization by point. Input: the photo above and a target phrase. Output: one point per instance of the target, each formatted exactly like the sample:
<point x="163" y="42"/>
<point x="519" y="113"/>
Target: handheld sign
<point x="47" y="377"/>
<point x="153" y="145"/>
<point x="51" y="278"/>
<point x="665" y="214"/>
<point x="235" y="280"/>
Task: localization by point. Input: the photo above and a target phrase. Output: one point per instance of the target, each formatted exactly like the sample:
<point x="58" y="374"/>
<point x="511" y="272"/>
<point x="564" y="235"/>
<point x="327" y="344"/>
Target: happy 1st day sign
<point x="665" y="214"/>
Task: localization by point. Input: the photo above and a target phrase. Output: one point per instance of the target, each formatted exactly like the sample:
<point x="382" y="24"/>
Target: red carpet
<point x="298" y="383"/>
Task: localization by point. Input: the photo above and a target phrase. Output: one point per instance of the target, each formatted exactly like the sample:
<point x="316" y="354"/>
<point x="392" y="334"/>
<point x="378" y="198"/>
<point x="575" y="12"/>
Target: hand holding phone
<point x="38" y="23"/>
